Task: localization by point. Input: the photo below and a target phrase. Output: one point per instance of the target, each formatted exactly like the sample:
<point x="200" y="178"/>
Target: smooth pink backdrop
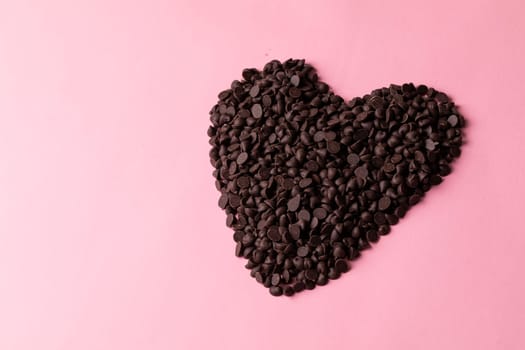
<point x="110" y="234"/>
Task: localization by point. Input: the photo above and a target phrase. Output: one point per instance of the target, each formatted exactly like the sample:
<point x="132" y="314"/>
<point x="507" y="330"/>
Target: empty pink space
<point x="110" y="234"/>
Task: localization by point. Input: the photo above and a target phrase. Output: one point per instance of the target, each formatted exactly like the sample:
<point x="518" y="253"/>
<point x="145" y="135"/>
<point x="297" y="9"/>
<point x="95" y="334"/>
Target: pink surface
<point x="110" y="234"/>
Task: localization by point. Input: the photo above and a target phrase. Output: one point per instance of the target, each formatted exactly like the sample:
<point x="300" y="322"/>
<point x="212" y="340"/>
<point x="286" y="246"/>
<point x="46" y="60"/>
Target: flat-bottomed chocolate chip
<point x="303" y="251"/>
<point x="257" y="111"/>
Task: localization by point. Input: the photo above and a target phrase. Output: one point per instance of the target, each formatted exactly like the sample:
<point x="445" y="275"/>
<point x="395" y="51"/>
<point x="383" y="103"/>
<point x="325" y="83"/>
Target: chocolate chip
<point x="293" y="204"/>
<point x="257" y="111"/>
<point x="379" y="218"/>
<point x="308" y="181"/>
<point x="330" y="135"/>
<point x="304" y="215"/>
<point x="289" y="291"/>
<point x="435" y="180"/>
<point x="319" y="136"/>
<point x="287" y="184"/>
<point x="389" y="167"/>
<point x="322" y="280"/>
<point x="276" y="291"/>
<point x="304" y="183"/>
<point x="333" y="147"/>
<point x="295" y="231"/>
<point x="303" y="251"/>
<point x="234" y="200"/>
<point x="320" y="213"/>
<point x="372" y="236"/>
<point x="267" y="100"/>
<point x="276" y="279"/>
<point x="242" y="158"/>
<point x="312" y="166"/>
<point x="311" y="275"/>
<point x="223" y="201"/>
<point x="339" y="252"/>
<point x="295" y="80"/>
<point x="361" y="172"/>
<point x="243" y="182"/>
<point x="341" y="266"/>
<point x="298" y="287"/>
<point x="430" y="145"/>
<point x="254" y="91"/>
<point x="453" y="120"/>
<point x="383" y="230"/>
<point x="384" y="203"/>
<point x="353" y="159"/>
<point x="274" y="234"/>
<point x="238" y="249"/>
<point x="294" y="92"/>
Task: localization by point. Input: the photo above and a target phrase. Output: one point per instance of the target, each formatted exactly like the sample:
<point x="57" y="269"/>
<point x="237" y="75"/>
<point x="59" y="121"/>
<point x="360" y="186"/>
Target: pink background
<point x="110" y="234"/>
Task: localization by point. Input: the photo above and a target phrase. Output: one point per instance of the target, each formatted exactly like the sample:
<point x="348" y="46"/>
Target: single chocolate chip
<point x="304" y="215"/>
<point x="288" y="291"/>
<point x="295" y="231"/>
<point x="238" y="249"/>
<point x="234" y="200"/>
<point x="389" y="167"/>
<point x="320" y="213"/>
<point x="341" y="265"/>
<point x="267" y="100"/>
<point x="414" y="199"/>
<point x="379" y="218"/>
<point x="339" y="252"/>
<point x="242" y="158"/>
<point x="315" y="241"/>
<point x="293" y="204"/>
<point x="435" y="180"/>
<point x="372" y="236"/>
<point x="312" y="166"/>
<point x="298" y="287"/>
<point x="303" y="251"/>
<point x="322" y="280"/>
<point x="333" y="147"/>
<point x="304" y="183"/>
<point x="243" y="182"/>
<point x="223" y="201"/>
<point x="430" y="145"/>
<point x="257" y="111"/>
<point x="294" y="92"/>
<point x="311" y="275"/>
<point x="396" y="158"/>
<point x="419" y="157"/>
<point x="276" y="279"/>
<point x="453" y="120"/>
<point x="384" y="203"/>
<point x="333" y="274"/>
<point x="254" y="91"/>
<point x="309" y="284"/>
<point x="353" y="159"/>
<point x="276" y="291"/>
<point x="383" y="230"/>
<point x="330" y="135"/>
<point x="274" y="234"/>
<point x="295" y="80"/>
<point x="288" y="184"/>
<point x="361" y="172"/>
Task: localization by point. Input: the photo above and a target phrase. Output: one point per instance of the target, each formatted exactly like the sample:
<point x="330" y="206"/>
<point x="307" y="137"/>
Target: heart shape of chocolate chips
<point x="308" y="180"/>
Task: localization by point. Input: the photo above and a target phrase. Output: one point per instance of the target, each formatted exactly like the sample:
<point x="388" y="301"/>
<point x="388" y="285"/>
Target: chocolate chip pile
<point x="308" y="180"/>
